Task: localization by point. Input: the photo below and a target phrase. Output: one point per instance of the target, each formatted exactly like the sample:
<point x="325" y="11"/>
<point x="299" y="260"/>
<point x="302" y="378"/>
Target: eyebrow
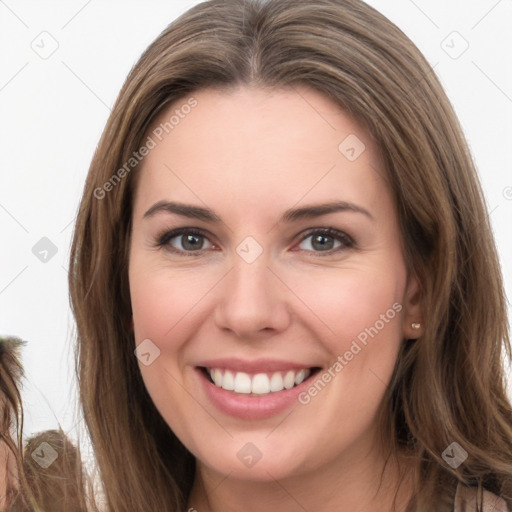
<point x="290" y="215"/>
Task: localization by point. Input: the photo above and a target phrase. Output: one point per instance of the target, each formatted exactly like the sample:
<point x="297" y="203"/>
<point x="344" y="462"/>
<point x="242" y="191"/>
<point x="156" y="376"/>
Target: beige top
<point x="466" y="499"/>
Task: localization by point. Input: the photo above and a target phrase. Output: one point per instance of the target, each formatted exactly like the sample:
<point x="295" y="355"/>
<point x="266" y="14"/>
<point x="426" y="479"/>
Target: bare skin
<point x="249" y="155"/>
<point x="8" y="473"/>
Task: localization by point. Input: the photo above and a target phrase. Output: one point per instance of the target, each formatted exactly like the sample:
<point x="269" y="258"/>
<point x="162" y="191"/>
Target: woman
<point x="224" y="362"/>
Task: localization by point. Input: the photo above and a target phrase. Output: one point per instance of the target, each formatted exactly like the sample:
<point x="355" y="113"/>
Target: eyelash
<point x="164" y="239"/>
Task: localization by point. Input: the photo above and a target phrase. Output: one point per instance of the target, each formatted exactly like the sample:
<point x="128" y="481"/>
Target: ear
<point x="413" y="326"/>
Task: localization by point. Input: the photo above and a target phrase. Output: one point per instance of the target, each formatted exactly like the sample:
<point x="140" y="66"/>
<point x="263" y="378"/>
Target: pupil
<point x="189" y="242"/>
<point x="321" y="239"/>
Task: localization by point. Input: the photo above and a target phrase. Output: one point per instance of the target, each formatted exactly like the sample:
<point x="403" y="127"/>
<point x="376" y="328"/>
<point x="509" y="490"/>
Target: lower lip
<point x="250" y="407"/>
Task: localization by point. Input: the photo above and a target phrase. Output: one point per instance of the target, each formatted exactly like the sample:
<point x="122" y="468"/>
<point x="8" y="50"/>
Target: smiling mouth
<point x="258" y="384"/>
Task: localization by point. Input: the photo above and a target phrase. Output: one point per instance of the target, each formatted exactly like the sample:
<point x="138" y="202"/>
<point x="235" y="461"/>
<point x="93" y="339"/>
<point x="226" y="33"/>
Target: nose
<point x="253" y="301"/>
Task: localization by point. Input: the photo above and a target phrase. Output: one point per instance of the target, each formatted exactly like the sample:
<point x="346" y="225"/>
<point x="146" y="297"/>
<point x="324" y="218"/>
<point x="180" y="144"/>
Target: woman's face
<point x="252" y="288"/>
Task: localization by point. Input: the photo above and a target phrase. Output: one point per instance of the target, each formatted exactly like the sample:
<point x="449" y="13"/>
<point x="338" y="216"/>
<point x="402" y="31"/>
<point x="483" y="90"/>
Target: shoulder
<point x="466" y="499"/>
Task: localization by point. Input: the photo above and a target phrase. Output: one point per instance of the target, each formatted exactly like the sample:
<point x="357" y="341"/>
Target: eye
<point x="184" y="240"/>
<point x="324" y="239"/>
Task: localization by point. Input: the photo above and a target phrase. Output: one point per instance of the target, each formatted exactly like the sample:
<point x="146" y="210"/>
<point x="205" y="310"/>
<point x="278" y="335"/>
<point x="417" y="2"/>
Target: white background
<point x="53" y="110"/>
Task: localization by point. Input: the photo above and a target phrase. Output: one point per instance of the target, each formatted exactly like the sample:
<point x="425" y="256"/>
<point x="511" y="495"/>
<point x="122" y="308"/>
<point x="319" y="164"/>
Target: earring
<point x="415" y="325"/>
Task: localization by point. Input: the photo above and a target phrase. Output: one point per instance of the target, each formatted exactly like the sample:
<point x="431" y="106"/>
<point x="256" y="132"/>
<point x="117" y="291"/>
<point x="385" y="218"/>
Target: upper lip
<point x="254" y="365"/>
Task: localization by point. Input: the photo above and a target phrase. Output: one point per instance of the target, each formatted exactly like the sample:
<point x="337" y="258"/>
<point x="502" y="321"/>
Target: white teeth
<point x="228" y="381"/>
<point x="276" y="382"/>
<point x="289" y="380"/>
<point x="242" y="383"/>
<point x="217" y="377"/>
<point x="300" y="376"/>
<point x="260" y="383"/>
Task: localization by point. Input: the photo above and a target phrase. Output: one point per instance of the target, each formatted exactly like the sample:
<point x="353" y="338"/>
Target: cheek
<point x="153" y="305"/>
<point x="162" y="310"/>
<point x="360" y="313"/>
<point x="350" y="302"/>
<point x="361" y="321"/>
<point x="163" y="301"/>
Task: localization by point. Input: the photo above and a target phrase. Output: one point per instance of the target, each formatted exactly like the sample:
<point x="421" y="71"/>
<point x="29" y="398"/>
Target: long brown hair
<point x="57" y="487"/>
<point x="29" y="485"/>
<point x="449" y="385"/>
<point x="11" y="418"/>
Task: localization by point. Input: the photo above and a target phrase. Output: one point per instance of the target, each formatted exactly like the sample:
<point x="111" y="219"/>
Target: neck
<point x="349" y="483"/>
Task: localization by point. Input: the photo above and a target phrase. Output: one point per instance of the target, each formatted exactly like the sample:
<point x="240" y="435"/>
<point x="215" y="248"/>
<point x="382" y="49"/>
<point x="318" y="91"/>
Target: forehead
<point x="251" y="144"/>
